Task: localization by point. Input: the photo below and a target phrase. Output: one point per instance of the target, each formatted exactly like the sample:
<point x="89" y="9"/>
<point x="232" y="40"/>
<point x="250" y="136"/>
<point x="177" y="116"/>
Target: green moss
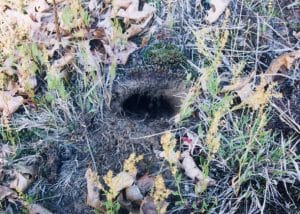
<point x="165" y="55"/>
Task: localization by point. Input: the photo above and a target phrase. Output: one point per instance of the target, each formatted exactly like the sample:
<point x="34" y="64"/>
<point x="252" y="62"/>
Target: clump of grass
<point x="165" y="55"/>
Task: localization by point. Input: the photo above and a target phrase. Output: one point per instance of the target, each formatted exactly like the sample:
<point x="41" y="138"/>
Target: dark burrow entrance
<point x="142" y="107"/>
<point x="148" y="106"/>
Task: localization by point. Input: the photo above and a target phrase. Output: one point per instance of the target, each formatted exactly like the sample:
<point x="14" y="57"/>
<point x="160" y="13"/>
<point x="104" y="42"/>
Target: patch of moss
<point x="165" y="55"/>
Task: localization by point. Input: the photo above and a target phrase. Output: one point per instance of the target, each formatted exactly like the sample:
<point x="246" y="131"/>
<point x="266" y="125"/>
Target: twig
<point x="56" y="21"/>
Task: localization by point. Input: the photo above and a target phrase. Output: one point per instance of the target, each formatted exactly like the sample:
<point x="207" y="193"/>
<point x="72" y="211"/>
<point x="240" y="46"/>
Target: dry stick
<point x="287" y="119"/>
<point x="56" y="21"/>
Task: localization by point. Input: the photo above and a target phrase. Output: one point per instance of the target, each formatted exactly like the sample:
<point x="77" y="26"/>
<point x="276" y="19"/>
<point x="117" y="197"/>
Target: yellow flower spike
<point x="172" y="157"/>
<point x="160" y="193"/>
<point x="129" y="164"/>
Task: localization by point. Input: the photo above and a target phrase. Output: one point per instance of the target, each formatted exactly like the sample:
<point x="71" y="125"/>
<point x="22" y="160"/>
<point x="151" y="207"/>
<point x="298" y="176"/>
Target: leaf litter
<point x="37" y="22"/>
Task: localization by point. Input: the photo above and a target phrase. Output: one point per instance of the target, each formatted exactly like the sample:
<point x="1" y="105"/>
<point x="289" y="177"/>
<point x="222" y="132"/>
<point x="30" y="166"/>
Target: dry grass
<point x="255" y="166"/>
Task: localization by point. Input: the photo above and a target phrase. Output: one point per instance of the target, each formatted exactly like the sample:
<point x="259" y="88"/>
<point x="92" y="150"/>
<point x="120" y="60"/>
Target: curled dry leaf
<point x="216" y="10"/>
<point x="93" y="189"/>
<point x="9" y="103"/>
<point x="135" y="29"/>
<point x="8" y="194"/>
<point x="122" y="181"/>
<point x="6" y="151"/>
<point x="145" y="184"/>
<point x="124" y="202"/>
<point x="120" y="56"/>
<point x="193" y="172"/>
<point x="117" y="4"/>
<point x="133" y="193"/>
<point x="23" y="177"/>
<point x="63" y="61"/>
<point x="285" y="60"/>
<point x="296" y="35"/>
<point x="37" y="209"/>
<point x="134" y="14"/>
<point x="148" y="206"/>
<point x="21" y="19"/>
<point x="244" y="87"/>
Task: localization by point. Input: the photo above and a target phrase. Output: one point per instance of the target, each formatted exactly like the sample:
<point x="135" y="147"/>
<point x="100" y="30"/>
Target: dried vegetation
<point x="228" y="143"/>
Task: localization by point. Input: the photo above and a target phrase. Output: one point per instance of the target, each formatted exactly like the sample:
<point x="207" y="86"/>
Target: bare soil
<point x="131" y="124"/>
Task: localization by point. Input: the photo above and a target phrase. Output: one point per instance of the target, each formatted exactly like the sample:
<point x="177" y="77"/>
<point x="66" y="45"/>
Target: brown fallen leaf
<point x="285" y="60"/>
<point x="124" y="202"/>
<point x="6" y="151"/>
<point x="7" y="193"/>
<point x="122" y="181"/>
<point x="216" y="10"/>
<point x="57" y="1"/>
<point x="117" y="4"/>
<point x="296" y="34"/>
<point x="9" y="103"/>
<point x="93" y="189"/>
<point x="63" y="61"/>
<point x="192" y="171"/>
<point x="133" y="193"/>
<point x="23" y="177"/>
<point x="256" y="96"/>
<point x="37" y="209"/>
<point x="136" y="15"/>
<point x="135" y="29"/>
<point x="145" y="184"/>
<point x="120" y="56"/>
<point x="148" y="206"/>
<point x="239" y="83"/>
<point x="35" y="8"/>
<point x="22" y="20"/>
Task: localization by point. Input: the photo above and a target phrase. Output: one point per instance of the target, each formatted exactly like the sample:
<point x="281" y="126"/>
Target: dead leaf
<point x="148" y="206"/>
<point x="6" y="151"/>
<point x="63" y="61"/>
<point x="117" y="4"/>
<point x="57" y="1"/>
<point x="23" y="177"/>
<point x="124" y="202"/>
<point x="9" y="103"/>
<point x="120" y="56"/>
<point x="192" y="171"/>
<point x="22" y="20"/>
<point x="285" y="60"/>
<point x="37" y="209"/>
<point x="296" y="34"/>
<point x="256" y="96"/>
<point x="135" y="29"/>
<point x="145" y="184"/>
<point x="136" y="15"/>
<point x="238" y="84"/>
<point x="93" y="189"/>
<point x="216" y="10"/>
<point x="7" y="193"/>
<point x="122" y="181"/>
<point x="36" y="7"/>
<point x="133" y="193"/>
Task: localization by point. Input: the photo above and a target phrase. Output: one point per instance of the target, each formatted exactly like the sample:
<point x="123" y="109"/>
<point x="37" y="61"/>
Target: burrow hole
<point x="148" y="106"/>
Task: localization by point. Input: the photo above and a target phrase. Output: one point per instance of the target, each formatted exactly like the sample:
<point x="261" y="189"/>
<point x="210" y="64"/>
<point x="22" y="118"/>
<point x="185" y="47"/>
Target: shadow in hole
<point x="146" y="106"/>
